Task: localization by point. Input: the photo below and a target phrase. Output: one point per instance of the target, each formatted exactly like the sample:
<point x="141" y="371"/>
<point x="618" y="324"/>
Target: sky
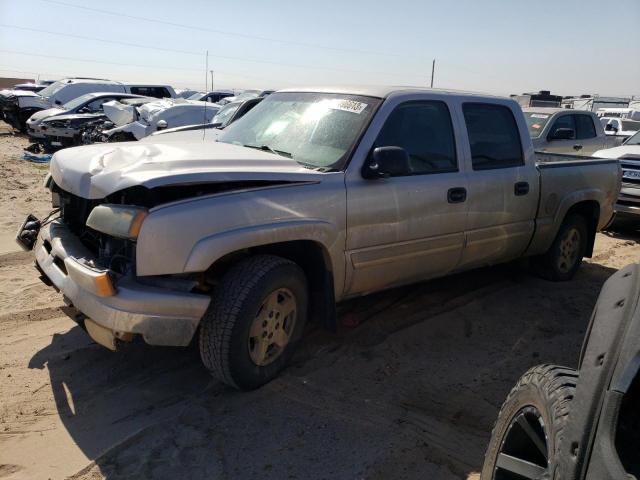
<point x="570" y="47"/>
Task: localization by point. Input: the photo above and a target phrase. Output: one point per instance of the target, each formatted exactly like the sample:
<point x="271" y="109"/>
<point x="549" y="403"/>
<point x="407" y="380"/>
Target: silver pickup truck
<point x="313" y="197"/>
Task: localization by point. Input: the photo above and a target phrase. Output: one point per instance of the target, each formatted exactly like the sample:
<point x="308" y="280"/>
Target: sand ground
<point x="410" y="393"/>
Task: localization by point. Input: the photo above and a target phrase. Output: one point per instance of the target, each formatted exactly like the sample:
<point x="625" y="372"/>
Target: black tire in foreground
<point x="525" y="438"/>
<point x="255" y="320"/>
<point x="563" y="259"/>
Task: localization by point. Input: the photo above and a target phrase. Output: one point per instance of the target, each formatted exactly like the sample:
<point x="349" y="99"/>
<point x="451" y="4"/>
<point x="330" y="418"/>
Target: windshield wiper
<point x="267" y="148"/>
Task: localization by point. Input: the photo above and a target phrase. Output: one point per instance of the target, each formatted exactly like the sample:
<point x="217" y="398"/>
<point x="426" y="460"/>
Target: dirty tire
<point x="546" y="390"/>
<point x="225" y="327"/>
<point x="547" y="265"/>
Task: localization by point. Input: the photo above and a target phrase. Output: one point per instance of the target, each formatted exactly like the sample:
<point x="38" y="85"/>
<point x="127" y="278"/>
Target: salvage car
<point x="124" y="111"/>
<point x="134" y="123"/>
<point x="227" y="114"/>
<point x="574" y="424"/>
<point x="18" y="105"/>
<point x="313" y="197"/>
<point x="627" y="207"/>
<point x="77" y="111"/>
<point x="561" y="130"/>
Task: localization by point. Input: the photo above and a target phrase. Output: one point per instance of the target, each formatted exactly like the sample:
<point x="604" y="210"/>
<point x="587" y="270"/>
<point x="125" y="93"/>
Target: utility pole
<point x="211" y="71"/>
<point x="433" y="69"/>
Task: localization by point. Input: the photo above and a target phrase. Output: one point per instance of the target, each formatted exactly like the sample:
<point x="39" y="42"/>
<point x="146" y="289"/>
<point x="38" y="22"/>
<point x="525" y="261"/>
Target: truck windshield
<point x="315" y="129"/>
<point x="536" y="122"/>
<point x="633" y="140"/>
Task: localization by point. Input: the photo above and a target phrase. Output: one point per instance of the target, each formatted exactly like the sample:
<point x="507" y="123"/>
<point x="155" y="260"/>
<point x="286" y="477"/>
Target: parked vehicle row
<point x="17" y="106"/>
<point x="312" y="197"/>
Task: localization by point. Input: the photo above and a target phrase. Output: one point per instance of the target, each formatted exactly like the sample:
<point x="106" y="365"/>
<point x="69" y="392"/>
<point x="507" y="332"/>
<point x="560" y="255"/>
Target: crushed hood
<point x="96" y="171"/>
<point x="119" y="113"/>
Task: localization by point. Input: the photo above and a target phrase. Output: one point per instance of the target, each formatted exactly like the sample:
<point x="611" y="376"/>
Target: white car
<point x="620" y="128"/>
<point x="134" y="123"/>
<point x="628" y="205"/>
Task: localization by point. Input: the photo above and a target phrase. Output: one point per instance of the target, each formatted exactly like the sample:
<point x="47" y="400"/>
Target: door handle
<point x="457" y="195"/>
<point x="521" y="188"/>
<point x="577" y="147"/>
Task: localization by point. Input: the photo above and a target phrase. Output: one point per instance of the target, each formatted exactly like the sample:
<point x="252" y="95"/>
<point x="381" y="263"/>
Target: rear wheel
<point x="525" y="438"/>
<point x="256" y="317"/>
<point x="565" y="255"/>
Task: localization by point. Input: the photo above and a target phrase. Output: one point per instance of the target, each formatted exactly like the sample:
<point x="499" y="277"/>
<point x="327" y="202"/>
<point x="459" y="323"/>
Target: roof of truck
<point x="383" y="91"/>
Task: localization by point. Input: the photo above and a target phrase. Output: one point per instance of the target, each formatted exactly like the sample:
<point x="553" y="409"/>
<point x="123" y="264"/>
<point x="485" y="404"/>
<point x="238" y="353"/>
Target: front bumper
<point x="161" y="316"/>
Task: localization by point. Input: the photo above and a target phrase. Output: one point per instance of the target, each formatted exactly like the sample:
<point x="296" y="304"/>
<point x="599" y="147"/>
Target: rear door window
<point x="157" y="92"/>
<point x="424" y="130"/>
<point x="494" y="137"/>
<point x="584" y="127"/>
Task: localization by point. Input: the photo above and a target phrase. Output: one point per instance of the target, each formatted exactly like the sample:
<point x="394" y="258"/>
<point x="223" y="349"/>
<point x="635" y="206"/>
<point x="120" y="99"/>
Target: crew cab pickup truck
<point x="562" y="130"/>
<point x="312" y="197"/>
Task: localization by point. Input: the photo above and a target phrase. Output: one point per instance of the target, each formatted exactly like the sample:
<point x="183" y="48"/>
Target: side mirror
<point x="563" y="134"/>
<point x="387" y="162"/>
<point x="610" y="127"/>
<point x="161" y="125"/>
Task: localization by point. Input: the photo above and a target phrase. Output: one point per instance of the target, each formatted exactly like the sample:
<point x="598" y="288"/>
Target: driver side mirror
<point x="563" y="134"/>
<point x="161" y="125"/>
<point x="387" y="162"/>
<point x="610" y="127"/>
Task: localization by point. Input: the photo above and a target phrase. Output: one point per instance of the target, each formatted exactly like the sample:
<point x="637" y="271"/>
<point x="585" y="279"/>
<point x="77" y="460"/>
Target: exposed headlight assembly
<point x="121" y="221"/>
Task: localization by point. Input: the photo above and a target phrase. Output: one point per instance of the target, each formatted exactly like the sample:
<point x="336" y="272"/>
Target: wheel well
<point x="628" y="428"/>
<point x="308" y="255"/>
<point x="590" y="210"/>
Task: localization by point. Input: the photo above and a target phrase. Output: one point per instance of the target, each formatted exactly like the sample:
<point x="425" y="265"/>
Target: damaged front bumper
<point x="162" y="316"/>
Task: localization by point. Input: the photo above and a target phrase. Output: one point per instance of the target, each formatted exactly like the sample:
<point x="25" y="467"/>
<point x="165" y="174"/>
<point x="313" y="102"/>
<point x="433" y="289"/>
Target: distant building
<point x="6" y="82"/>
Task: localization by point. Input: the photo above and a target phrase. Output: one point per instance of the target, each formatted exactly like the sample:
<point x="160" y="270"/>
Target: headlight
<point x="121" y="221"/>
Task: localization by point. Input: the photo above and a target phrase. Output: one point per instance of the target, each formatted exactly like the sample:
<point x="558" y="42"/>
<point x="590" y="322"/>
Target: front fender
<point x="216" y="246"/>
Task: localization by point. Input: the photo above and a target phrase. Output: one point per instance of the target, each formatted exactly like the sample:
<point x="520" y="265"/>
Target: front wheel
<point x="563" y="259"/>
<point x="525" y="438"/>
<point x="255" y="319"/>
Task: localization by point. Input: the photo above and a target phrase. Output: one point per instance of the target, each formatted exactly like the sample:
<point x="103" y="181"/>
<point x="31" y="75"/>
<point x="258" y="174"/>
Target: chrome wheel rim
<point x="524" y="452"/>
<point x="569" y="249"/>
<point x="272" y="327"/>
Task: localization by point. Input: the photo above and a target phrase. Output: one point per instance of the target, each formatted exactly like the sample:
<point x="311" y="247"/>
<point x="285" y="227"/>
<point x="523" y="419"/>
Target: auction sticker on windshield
<point x="346" y="105"/>
<point x="539" y="115"/>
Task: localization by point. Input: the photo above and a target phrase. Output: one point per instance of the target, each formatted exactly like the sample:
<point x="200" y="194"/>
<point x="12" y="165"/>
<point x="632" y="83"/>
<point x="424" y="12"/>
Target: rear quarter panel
<point x="567" y="182"/>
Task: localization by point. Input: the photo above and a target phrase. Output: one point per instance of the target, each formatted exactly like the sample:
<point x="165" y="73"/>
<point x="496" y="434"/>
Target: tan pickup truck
<point x="313" y="197"/>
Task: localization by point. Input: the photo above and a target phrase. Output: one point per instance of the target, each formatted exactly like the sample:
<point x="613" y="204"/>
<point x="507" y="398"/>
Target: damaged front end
<point x="88" y="253"/>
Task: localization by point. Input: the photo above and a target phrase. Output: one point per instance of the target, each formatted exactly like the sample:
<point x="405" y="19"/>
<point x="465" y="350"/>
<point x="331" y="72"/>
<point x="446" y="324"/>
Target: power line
<point x="88" y="60"/>
<point x="226" y="57"/>
<point x="104" y="40"/>
<point x="220" y="32"/>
